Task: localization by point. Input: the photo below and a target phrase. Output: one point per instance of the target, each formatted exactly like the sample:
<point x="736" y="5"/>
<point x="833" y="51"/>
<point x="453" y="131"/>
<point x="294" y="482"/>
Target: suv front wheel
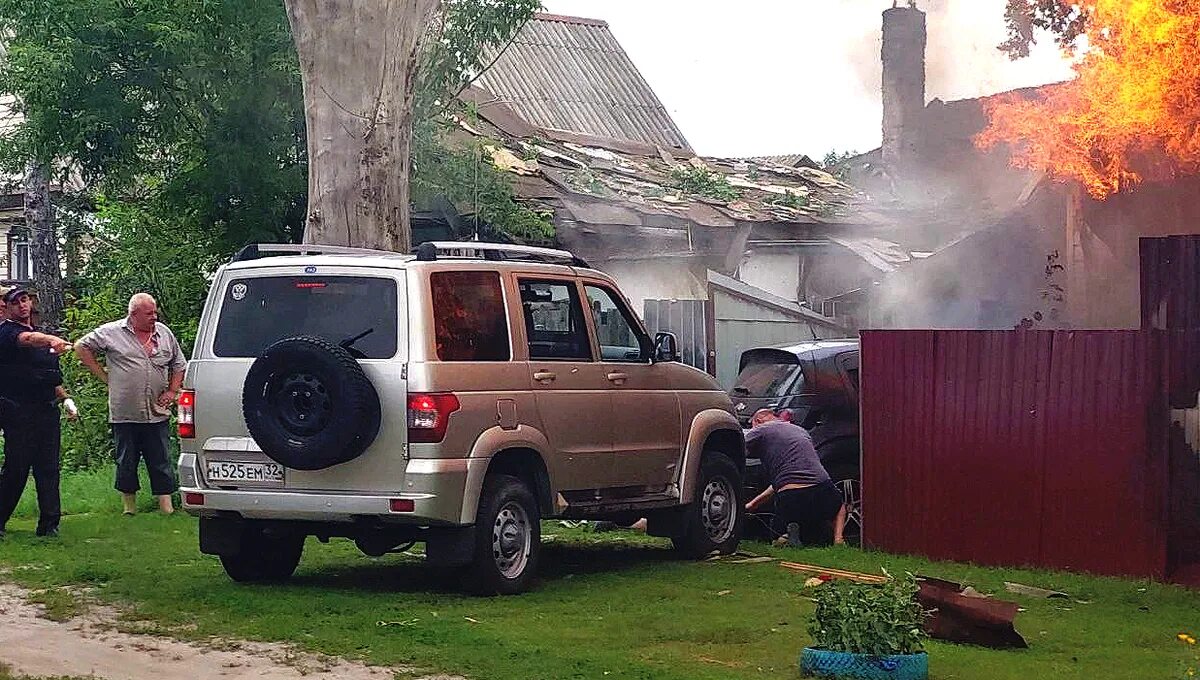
<point x="508" y="537"/>
<point x="713" y="521"/>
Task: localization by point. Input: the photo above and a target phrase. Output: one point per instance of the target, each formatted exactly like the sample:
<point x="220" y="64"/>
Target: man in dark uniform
<point x="30" y="384"/>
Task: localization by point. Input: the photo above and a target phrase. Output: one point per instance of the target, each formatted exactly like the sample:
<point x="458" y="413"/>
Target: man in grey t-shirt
<point x="144" y="376"/>
<point x="808" y="507"/>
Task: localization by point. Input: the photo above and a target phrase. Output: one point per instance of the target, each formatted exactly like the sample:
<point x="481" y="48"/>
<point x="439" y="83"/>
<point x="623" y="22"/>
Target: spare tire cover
<point x="308" y="404"/>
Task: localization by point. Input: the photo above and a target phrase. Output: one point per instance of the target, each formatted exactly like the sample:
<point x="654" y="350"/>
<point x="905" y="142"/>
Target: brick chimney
<point x="903" y="84"/>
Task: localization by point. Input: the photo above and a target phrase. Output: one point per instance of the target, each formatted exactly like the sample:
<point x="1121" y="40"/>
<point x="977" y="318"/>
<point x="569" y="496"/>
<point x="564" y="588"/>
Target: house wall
<point x="777" y="273"/>
<point x="659" y="279"/>
<point x="4" y="254"/>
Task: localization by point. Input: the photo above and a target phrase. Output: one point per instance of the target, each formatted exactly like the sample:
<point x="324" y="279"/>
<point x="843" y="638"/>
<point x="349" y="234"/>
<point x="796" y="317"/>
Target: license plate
<point x="226" y="471"/>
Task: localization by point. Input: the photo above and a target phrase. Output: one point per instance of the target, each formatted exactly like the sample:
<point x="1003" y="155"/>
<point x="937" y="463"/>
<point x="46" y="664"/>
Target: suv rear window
<point x="260" y="311"/>
<point x="469" y="323"/>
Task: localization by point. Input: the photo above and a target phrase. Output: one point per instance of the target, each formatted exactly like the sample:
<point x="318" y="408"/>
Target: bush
<point x="878" y="620"/>
<point x="130" y="248"/>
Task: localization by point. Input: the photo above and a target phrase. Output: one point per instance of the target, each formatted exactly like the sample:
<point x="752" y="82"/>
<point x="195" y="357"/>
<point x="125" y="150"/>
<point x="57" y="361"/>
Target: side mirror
<point x="666" y="348"/>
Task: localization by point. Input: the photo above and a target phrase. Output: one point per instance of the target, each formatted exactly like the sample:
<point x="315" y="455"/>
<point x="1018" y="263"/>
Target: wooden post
<point x="1076" y="263"/>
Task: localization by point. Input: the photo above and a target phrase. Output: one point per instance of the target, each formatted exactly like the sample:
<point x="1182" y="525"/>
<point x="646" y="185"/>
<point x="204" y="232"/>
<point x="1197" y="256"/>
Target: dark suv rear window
<point x="257" y="312"/>
<point x="769" y="380"/>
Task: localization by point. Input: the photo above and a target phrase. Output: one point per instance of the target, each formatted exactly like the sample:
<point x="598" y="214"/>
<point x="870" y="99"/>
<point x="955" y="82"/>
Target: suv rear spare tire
<point x="308" y="404"/>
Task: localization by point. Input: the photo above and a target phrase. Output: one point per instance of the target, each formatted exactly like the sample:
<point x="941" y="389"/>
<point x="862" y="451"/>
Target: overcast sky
<point x="759" y="77"/>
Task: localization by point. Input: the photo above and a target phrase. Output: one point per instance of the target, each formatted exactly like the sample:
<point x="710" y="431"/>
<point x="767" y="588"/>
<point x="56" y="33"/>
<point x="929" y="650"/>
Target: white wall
<point x="4" y="251"/>
<point x="776" y="273"/>
<point x="659" y="279"/>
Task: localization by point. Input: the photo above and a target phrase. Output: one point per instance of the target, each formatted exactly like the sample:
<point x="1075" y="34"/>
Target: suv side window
<point x="616" y="331"/>
<point x="469" y="323"/>
<point x="554" y="321"/>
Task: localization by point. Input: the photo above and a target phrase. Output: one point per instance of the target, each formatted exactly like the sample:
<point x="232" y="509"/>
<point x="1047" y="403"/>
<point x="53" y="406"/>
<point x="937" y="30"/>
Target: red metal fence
<point x="1044" y="448"/>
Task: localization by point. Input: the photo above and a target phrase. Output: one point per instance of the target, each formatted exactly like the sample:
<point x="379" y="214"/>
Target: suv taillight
<point x="428" y="416"/>
<point x="187" y="414"/>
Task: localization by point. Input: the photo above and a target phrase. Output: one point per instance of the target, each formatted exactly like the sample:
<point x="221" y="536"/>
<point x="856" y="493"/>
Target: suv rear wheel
<point x="508" y="537"/>
<point x="264" y="557"/>
<point x="713" y="522"/>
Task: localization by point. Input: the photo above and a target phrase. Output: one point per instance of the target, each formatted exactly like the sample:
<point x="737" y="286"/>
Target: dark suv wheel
<point x="264" y="556"/>
<point x="713" y="522"/>
<point x="508" y="538"/>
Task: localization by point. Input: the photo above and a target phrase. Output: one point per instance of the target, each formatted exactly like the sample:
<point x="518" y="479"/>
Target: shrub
<point x="878" y="620"/>
<point x="130" y="249"/>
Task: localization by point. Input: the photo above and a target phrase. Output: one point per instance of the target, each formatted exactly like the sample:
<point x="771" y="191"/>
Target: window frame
<point x="520" y="278"/>
<point x="220" y="293"/>
<point x="508" y="323"/>
<point x="646" y="343"/>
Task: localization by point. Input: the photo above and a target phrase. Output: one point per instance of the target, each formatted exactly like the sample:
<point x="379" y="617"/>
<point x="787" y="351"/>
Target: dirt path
<point x="88" y="645"/>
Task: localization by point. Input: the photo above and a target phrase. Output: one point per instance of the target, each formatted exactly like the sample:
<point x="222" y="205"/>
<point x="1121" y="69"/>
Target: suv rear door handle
<point x="544" y="376"/>
<point x="618" y="377"/>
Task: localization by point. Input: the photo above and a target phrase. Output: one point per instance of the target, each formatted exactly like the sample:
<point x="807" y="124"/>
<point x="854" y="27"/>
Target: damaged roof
<point x="571" y="74"/>
<point x="603" y="181"/>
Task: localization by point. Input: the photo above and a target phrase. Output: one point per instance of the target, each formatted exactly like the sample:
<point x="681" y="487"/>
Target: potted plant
<point x="868" y="631"/>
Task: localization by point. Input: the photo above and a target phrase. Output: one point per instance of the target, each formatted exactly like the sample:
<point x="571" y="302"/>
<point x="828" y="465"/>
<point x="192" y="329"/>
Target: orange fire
<point x="1132" y="113"/>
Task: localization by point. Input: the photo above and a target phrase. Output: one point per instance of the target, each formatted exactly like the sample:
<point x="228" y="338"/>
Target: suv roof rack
<point x="256" y="251"/>
<point x="433" y="250"/>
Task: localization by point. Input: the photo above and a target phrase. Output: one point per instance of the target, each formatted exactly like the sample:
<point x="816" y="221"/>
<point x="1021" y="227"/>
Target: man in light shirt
<point x="144" y="374"/>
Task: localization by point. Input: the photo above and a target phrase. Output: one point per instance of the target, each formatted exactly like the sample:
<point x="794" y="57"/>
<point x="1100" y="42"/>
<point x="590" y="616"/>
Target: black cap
<point x="14" y="294"/>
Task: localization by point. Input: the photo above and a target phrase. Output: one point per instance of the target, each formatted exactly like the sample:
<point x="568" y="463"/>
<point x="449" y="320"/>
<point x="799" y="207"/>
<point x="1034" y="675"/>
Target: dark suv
<point x="816" y="383"/>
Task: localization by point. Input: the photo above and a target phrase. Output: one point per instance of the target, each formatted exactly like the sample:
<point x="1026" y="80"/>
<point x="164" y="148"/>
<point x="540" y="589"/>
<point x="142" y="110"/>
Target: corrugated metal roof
<point x="566" y="73"/>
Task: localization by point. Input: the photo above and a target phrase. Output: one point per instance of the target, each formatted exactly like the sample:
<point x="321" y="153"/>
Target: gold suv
<point x="456" y="397"/>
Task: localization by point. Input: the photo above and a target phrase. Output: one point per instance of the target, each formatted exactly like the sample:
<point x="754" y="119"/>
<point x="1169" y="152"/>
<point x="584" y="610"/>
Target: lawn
<point x="608" y="605"/>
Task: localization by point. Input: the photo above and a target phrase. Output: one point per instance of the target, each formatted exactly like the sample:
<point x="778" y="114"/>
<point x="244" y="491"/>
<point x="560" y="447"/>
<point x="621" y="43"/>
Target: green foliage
<point x="704" y="182"/>
<point x="1063" y="18"/>
<point x="468" y="36"/>
<point x="613" y="603"/>
<point x="790" y="200"/>
<point x="869" y="619"/>
<point x="133" y="249"/>
<point x="199" y="107"/>
<point x="197" y="104"/>
<point x="469" y="180"/>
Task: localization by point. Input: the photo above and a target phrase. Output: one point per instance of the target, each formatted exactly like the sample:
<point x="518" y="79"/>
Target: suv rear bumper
<point x="437" y="488"/>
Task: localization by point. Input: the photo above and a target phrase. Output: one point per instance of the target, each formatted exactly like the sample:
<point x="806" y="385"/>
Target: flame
<point x="1132" y="112"/>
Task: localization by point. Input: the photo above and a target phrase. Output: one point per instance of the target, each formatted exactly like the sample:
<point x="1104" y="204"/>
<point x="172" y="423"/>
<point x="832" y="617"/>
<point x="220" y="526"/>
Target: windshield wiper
<point x="349" y="342"/>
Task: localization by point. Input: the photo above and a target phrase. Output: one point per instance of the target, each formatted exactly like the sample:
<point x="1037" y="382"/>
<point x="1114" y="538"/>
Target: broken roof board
<point x="650" y="181"/>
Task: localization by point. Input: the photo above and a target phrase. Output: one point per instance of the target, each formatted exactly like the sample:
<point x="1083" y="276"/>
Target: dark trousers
<point x="149" y="441"/>
<point x="31" y="443"/>
<point x="814" y="508"/>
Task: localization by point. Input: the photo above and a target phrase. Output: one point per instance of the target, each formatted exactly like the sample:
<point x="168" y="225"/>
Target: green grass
<point x="608" y="606"/>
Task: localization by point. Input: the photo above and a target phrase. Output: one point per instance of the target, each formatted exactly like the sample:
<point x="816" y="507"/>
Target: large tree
<point x="367" y="79"/>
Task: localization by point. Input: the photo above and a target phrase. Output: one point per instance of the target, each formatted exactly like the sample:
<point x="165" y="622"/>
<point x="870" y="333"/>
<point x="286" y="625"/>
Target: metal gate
<point x="688" y="320"/>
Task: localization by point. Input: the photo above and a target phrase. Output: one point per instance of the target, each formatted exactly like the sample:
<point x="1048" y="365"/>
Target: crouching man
<point x="808" y="507"/>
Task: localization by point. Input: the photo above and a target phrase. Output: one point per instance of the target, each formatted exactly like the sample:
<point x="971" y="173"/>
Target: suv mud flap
<point x="450" y="546"/>
<point x="221" y="536"/>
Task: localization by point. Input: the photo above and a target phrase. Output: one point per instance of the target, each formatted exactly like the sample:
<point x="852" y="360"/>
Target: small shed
<point x="734" y="317"/>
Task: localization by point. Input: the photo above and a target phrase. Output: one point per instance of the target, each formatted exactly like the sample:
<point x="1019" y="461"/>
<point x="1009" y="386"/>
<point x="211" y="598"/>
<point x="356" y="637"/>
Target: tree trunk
<point x="43" y="245"/>
<point x="358" y="60"/>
